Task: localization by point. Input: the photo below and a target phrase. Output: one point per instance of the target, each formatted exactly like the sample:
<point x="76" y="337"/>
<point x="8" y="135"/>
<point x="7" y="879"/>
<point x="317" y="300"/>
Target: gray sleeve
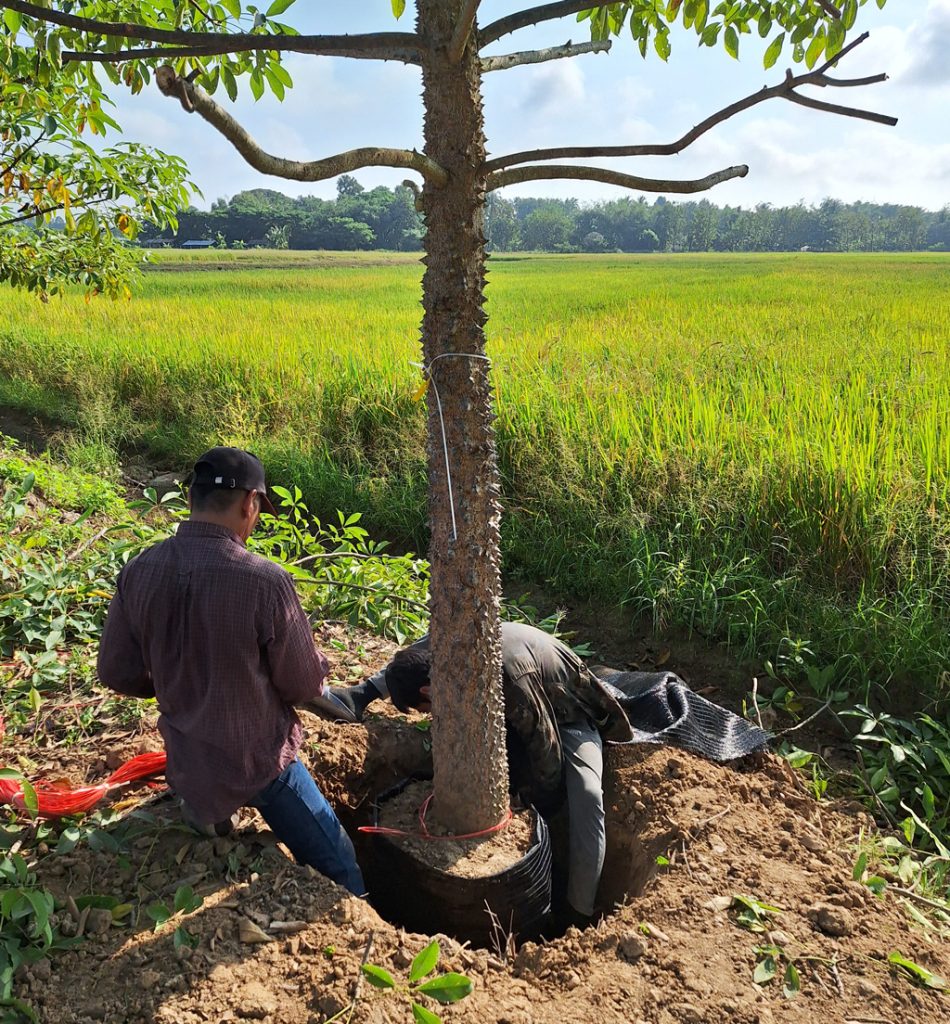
<point x="378" y="682"/>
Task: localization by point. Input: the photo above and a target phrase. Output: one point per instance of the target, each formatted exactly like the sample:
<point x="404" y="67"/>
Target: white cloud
<point x="930" y="47"/>
<point x="554" y="87"/>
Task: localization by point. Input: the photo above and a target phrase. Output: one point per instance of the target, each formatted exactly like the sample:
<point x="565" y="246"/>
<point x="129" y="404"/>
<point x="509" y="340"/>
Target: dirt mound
<point x="275" y="942"/>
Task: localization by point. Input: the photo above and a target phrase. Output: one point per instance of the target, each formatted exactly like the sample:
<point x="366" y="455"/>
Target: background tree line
<point x="383" y="218"/>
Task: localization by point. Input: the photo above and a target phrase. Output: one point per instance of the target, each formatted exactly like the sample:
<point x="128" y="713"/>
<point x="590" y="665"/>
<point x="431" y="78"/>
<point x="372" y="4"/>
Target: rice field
<point x="755" y="447"/>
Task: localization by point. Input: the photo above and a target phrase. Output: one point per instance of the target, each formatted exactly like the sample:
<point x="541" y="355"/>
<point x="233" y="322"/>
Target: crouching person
<point x="218" y="636"/>
<point x="557" y="714"/>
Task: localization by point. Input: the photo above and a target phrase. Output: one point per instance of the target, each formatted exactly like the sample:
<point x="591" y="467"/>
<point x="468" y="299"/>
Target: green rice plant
<point x="750" y="447"/>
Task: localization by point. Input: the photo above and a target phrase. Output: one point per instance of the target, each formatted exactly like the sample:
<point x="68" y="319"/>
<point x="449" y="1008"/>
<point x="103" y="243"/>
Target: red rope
<point x="379" y="830"/>
<point x="57" y="799"/>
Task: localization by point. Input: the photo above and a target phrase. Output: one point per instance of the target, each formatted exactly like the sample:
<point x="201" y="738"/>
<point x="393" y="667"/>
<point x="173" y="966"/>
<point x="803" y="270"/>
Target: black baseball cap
<point x="232" y="469"/>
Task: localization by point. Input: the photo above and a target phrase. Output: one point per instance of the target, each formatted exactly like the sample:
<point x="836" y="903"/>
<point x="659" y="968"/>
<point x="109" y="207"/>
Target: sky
<point x="794" y="154"/>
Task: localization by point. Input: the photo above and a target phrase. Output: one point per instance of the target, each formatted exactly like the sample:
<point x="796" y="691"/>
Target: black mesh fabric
<point x="663" y="709"/>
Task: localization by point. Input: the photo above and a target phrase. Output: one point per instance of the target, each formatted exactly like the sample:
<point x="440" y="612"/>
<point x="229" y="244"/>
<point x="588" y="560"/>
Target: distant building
<point x="154" y="243"/>
<point x="197" y="243"/>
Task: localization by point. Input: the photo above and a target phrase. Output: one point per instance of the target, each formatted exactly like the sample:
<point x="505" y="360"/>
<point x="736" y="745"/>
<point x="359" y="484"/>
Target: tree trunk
<point x="468" y="743"/>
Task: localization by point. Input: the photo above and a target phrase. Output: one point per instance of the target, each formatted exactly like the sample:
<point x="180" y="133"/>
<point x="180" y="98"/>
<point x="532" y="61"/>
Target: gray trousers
<point x="587" y="838"/>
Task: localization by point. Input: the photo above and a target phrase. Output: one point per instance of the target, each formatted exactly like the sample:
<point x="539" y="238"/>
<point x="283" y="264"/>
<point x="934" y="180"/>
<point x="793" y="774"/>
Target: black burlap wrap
<point x="663" y="709"/>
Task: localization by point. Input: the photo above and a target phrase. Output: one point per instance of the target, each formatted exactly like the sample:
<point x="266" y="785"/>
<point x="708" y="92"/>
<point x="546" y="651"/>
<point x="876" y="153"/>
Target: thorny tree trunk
<point x="471" y="783"/>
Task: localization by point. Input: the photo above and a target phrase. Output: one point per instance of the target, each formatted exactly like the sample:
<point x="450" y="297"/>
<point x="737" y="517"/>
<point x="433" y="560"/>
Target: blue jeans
<point x="300" y="817"/>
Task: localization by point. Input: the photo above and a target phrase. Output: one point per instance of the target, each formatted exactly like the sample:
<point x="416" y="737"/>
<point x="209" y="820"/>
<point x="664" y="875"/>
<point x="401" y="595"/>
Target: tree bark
<point x="468" y="744"/>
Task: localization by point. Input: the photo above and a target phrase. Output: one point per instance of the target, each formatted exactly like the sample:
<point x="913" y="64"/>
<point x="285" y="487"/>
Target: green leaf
<point x="907" y="869"/>
<point x="927" y="798"/>
<point x="379" y="977"/>
<point x="710" y="34"/>
<point x="447" y="988"/>
<point x="661" y="43"/>
<point x="22" y="1008"/>
<point x="731" y="40"/>
<point x="917" y="973"/>
<point x="233" y="7"/>
<point x="702" y="13"/>
<point x="423" y="1016"/>
<point x="186" y="900"/>
<point x="815" y="50"/>
<point x="278" y="7"/>
<point x="836" y="36"/>
<point x="257" y="84"/>
<point x="121" y="910"/>
<point x="230" y="85"/>
<point x="159" y="913"/>
<point x="398" y="7"/>
<point x="793" y="981"/>
<point x="859" y="867"/>
<point x="774" y="50"/>
<point x="765" y="971"/>
<point x="281" y="74"/>
<point x="183" y="937"/>
<point x="276" y="85"/>
<point x="424" y="962"/>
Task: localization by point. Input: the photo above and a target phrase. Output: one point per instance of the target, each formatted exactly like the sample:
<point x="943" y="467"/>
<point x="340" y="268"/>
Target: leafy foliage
<point x="103" y="194"/>
<point x="57" y="575"/>
<point x="443" y="988"/>
<point x="907" y="770"/>
<point x="753" y="914"/>
<point x="810" y="28"/>
<point x="27" y="932"/>
<point x="342" y="573"/>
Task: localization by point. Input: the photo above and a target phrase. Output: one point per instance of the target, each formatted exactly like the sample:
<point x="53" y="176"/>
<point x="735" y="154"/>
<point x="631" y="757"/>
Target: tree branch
<point x="513" y="60"/>
<point x="851" y="83"/>
<point x="535" y="172"/>
<point x="80" y="204"/>
<point x="318" y="46"/>
<point x="829" y="8"/>
<point x="463" y="31"/>
<point x="784" y="90"/>
<point x="23" y="153"/>
<point x="193" y="97"/>
<point x="834" y="108"/>
<point x="377" y="45"/>
<point x="532" y="16"/>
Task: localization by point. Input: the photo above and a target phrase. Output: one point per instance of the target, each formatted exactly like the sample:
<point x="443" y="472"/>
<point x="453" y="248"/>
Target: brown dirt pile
<point x="278" y="943"/>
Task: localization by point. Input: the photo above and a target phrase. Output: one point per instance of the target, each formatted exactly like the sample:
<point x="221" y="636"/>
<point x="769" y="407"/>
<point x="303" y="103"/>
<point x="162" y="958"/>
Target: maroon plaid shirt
<point x="218" y="635"/>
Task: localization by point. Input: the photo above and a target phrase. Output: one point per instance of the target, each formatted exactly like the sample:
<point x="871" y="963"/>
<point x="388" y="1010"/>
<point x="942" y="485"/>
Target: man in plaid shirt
<point x="217" y="634"/>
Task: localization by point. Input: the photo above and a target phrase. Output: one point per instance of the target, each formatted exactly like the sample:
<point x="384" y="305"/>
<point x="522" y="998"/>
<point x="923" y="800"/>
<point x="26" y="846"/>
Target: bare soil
<point x="466" y="858"/>
<point x="276" y="942"/>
